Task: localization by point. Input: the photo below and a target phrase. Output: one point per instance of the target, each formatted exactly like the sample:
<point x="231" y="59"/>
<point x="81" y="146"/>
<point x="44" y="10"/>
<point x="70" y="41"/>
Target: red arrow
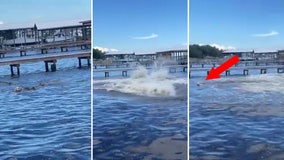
<point x="215" y="73"/>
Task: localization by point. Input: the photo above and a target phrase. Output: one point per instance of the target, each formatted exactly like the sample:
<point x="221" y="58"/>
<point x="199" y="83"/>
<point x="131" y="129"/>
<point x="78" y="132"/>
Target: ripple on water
<point x="237" y="118"/>
<point x="50" y="122"/>
<point x="134" y="126"/>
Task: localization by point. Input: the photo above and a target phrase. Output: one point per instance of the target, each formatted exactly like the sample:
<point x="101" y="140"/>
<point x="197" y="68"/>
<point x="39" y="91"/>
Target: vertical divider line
<point x="188" y="68"/>
<point x="92" y="87"/>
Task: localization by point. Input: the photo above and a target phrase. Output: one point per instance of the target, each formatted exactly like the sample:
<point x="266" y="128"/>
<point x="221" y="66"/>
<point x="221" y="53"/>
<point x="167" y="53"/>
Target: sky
<point x="237" y="24"/>
<point x="140" y="26"/>
<point x="17" y="12"/>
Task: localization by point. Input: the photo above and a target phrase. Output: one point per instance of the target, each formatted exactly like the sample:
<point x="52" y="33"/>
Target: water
<point x="143" y="116"/>
<point x="237" y="117"/>
<point x="50" y="117"/>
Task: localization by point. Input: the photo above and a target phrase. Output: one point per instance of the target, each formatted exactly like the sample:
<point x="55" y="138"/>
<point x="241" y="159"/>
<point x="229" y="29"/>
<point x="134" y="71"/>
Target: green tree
<point x="98" y="54"/>
<point x="197" y="51"/>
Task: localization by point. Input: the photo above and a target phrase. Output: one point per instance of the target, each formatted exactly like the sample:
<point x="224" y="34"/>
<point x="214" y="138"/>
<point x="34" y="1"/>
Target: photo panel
<point x="140" y="79"/>
<point x="236" y="79"/>
<point x="45" y="79"/>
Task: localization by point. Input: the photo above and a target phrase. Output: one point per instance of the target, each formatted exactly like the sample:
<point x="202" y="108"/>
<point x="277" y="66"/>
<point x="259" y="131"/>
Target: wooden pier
<point x="124" y="71"/>
<point x="241" y="63"/>
<point x="244" y="69"/>
<point x="50" y="58"/>
<point x="63" y="46"/>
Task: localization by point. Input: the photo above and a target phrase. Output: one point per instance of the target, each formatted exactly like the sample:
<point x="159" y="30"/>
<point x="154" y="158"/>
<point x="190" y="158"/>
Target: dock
<point x="245" y="69"/>
<point x="64" y="45"/>
<point x="124" y="71"/>
<point x="50" y="58"/>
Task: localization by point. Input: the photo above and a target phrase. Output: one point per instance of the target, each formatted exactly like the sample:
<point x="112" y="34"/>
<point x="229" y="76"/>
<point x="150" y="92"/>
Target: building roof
<point x="116" y="54"/>
<point x="238" y="51"/>
<point x="61" y="27"/>
<point x="266" y="52"/>
<point x="170" y="51"/>
<point x="40" y="25"/>
<point x="86" y="21"/>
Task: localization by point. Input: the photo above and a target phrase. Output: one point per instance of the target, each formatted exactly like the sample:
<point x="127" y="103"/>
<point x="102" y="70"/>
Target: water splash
<point x="142" y="82"/>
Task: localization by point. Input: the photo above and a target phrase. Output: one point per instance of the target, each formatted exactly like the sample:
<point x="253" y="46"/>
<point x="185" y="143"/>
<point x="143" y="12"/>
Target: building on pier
<point x="281" y="54"/>
<point x="252" y="55"/>
<point x="171" y="56"/>
<point x="266" y="55"/>
<point x="121" y="58"/>
<point x="36" y="34"/>
<point x="178" y="56"/>
<point x="146" y="57"/>
<point x="19" y="36"/>
<point x="243" y="55"/>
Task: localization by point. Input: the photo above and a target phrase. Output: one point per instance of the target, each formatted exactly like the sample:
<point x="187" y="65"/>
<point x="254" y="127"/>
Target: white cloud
<point x="153" y="35"/>
<point x="272" y="33"/>
<point x="106" y="49"/>
<point x="223" y="47"/>
<point x="1" y="22"/>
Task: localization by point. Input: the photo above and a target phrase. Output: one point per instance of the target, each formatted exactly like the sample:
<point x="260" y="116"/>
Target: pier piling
<point x="44" y="51"/>
<point x="12" y="69"/>
<point x="245" y="72"/>
<point x="52" y="66"/>
<point x="184" y="69"/>
<point x="80" y="61"/>
<point x="2" y="54"/>
<point x="227" y="72"/>
<point x="280" y="70"/>
<point x="23" y="52"/>
<point x="263" y="71"/>
<point x="124" y="73"/>
<point x="64" y="49"/>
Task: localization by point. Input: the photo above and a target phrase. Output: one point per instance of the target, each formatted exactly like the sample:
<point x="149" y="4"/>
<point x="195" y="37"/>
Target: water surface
<point x="50" y="117"/>
<point x="237" y="117"/>
<point x="143" y="116"/>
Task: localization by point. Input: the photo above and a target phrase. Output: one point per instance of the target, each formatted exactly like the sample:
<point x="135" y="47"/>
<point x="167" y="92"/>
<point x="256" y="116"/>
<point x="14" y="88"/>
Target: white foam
<point x="259" y="83"/>
<point x="141" y="82"/>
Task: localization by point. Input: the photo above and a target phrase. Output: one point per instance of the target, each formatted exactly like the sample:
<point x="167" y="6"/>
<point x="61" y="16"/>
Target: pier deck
<point x="64" y="45"/>
<point x="43" y="57"/>
<point x="245" y="69"/>
<point x="52" y="58"/>
<point x="172" y="68"/>
<point x="240" y="68"/>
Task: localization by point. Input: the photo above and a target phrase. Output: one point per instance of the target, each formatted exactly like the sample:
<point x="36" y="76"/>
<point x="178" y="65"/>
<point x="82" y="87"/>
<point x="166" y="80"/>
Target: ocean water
<point x="237" y="117"/>
<point x="142" y="116"/>
<point x="51" y="117"/>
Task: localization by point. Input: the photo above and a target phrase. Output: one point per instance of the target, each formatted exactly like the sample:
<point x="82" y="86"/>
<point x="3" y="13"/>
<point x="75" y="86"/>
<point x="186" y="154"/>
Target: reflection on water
<point x="50" y="117"/>
<point x="237" y="118"/>
<point x="139" y="117"/>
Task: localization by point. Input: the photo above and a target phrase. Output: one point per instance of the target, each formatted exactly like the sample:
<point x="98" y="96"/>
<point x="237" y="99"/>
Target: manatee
<point x="200" y="84"/>
<point x="18" y="89"/>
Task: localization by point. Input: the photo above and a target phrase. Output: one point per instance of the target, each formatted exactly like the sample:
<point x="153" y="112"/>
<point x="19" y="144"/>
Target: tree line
<point x="98" y="54"/>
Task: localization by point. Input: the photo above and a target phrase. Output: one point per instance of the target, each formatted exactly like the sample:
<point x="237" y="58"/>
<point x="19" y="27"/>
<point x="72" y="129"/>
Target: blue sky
<point x="141" y="26"/>
<point x="26" y="11"/>
<point x="238" y="24"/>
